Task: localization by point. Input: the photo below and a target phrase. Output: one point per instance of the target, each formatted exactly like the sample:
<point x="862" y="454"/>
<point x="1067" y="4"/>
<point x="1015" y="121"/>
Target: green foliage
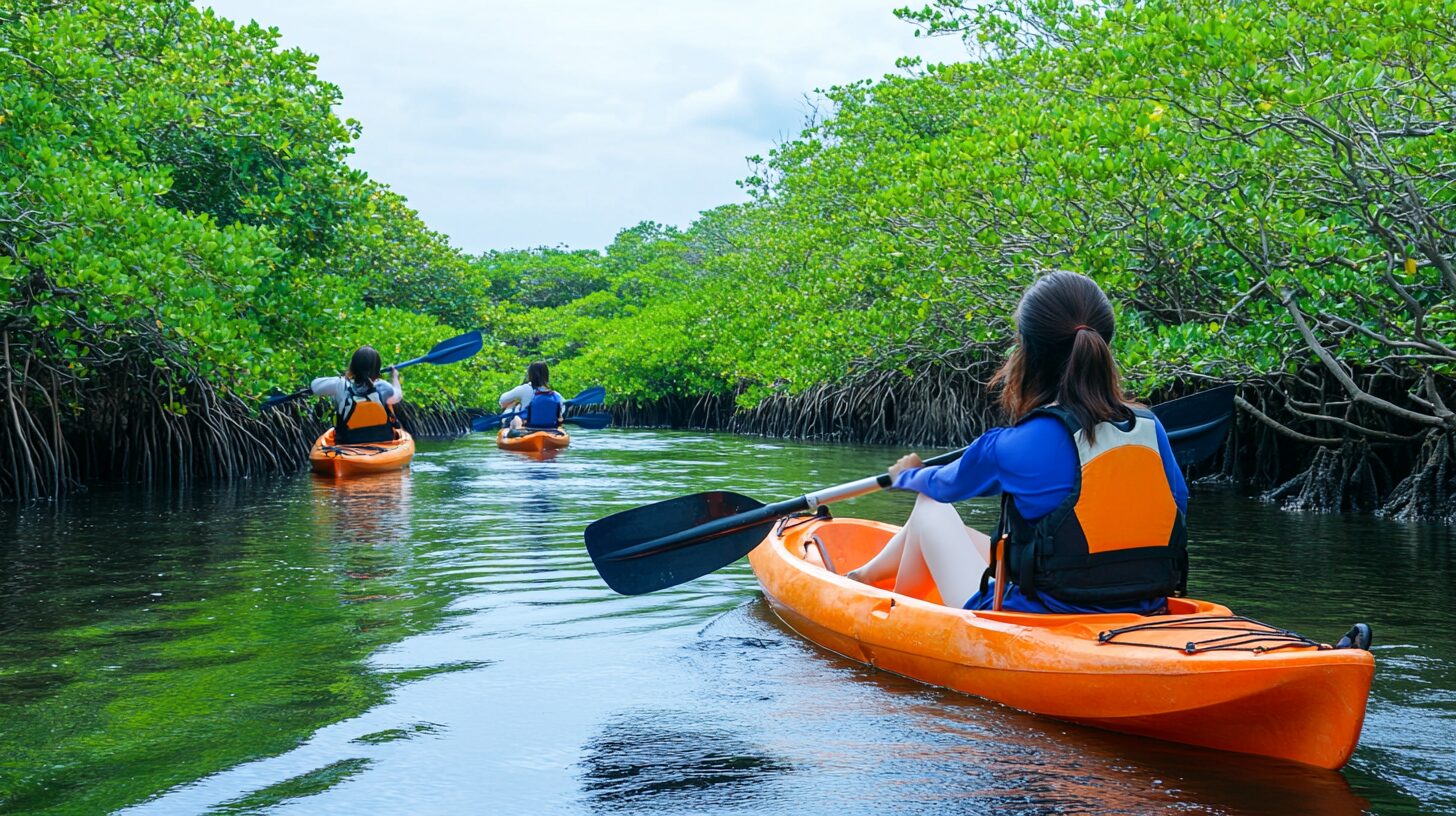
<point x="1221" y="168"/>
<point x="175" y="207"/>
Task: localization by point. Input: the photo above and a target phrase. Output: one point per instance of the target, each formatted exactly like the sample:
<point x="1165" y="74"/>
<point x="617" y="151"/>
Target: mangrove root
<point x="1429" y="491"/>
<point x="1350" y="477"/>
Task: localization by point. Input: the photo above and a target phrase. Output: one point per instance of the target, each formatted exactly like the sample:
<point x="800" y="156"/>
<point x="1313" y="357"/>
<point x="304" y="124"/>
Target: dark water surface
<point x="437" y="642"/>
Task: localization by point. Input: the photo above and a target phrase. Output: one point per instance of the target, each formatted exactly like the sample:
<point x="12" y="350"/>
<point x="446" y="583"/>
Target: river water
<point x="437" y="642"/>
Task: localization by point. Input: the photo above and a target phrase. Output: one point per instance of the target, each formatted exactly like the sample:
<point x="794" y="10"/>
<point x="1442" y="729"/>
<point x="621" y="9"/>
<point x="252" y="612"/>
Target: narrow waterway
<point x="438" y="642"/>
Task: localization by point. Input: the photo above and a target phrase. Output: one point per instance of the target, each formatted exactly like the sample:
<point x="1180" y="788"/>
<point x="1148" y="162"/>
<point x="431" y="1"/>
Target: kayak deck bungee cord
<point x="342" y="461"/>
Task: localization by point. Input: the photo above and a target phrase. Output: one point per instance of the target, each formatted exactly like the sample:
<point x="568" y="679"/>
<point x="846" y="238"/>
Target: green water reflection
<point x="436" y="640"/>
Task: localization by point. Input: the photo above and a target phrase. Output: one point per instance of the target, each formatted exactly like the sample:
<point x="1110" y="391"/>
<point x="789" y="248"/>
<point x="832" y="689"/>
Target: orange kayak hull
<point x="533" y="442"/>
<point x="1304" y="703"/>
<point x="344" y="461"/>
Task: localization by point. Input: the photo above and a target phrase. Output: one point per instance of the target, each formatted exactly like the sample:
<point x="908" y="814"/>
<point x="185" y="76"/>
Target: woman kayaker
<point x="363" y="403"/>
<point x="1092" y="498"/>
<point x="540" y="407"/>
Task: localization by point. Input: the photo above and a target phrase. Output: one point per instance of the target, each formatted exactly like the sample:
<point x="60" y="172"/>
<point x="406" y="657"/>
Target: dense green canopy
<point x="178" y="228"/>
<point x="1263" y="187"/>
<point x="1228" y="171"/>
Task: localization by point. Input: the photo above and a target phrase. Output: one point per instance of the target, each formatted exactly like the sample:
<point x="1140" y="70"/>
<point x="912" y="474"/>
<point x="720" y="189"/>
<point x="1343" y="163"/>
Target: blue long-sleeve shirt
<point x="1036" y="463"/>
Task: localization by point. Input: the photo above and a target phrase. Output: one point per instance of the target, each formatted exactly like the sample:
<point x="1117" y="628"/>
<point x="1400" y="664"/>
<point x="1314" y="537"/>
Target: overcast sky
<point x="546" y="123"/>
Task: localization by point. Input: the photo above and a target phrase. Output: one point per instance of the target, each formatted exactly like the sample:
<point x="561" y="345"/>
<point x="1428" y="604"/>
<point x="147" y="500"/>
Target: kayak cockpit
<point x="841" y="546"/>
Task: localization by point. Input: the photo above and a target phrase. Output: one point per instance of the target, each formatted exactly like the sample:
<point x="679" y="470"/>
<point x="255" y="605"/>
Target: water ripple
<point x="438" y="642"/>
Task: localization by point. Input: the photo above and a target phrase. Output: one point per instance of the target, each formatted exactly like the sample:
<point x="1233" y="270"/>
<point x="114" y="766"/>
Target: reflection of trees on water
<point x="160" y="637"/>
<point x="645" y="759"/>
<point x="365" y="524"/>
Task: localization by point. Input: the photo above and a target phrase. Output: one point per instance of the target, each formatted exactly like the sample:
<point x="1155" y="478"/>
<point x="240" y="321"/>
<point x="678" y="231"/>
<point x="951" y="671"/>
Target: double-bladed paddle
<point x="595" y="395"/>
<point x="446" y="351"/>
<point x="591" y="422"/>
<point x="674" y="541"/>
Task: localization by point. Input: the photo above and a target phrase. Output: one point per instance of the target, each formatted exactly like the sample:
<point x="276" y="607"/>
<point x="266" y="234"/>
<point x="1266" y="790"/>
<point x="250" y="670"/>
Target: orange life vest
<point x="1118" y="536"/>
<point x="365" y="418"/>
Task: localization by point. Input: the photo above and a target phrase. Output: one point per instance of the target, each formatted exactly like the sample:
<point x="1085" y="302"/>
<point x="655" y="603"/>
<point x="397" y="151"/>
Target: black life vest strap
<point x="997" y="545"/>
<point x="1024" y="539"/>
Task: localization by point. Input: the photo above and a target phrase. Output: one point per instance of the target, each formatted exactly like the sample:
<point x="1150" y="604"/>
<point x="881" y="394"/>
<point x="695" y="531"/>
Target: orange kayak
<point x="329" y="459"/>
<point x="519" y="439"/>
<point x="1198" y="675"/>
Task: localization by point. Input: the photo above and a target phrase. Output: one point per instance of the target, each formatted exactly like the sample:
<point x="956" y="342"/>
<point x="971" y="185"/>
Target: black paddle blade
<point x="608" y="538"/>
<point x="1196" y="424"/>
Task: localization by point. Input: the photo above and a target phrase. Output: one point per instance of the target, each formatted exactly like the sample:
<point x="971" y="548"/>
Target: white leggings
<point x="933" y="548"/>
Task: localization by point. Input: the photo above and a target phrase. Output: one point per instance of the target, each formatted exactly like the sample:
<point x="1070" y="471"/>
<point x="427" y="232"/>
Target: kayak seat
<point x="812" y="556"/>
<point x="840" y="548"/>
<point x="517" y="433"/>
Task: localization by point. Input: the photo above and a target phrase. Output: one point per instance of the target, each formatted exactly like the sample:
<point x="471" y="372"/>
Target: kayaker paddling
<point x="367" y="436"/>
<point x="1112" y="539"/>
<point x="540" y="407"/>
<point x="363" y="403"/>
<point x="1093" y="501"/>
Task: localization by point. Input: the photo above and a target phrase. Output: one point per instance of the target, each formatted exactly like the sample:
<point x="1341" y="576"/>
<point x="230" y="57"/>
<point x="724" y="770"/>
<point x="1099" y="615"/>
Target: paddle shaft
<point x="671" y="542"/>
<point x="589" y="396"/>
<point x="770" y="512"/>
<point x="810" y="502"/>
<point x="446" y="351"/>
<point x="405" y="364"/>
<point x="307" y="391"/>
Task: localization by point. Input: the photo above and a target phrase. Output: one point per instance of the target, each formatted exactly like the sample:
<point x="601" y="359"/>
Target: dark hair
<point x="1064" y="328"/>
<point x="364" y="366"/>
<point x="538" y="375"/>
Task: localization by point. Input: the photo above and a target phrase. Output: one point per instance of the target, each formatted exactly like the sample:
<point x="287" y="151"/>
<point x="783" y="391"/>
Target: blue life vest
<point x="544" y="410"/>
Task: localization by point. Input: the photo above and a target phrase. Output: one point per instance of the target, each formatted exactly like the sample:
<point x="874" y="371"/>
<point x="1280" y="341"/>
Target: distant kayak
<point x="525" y="439"/>
<point x="329" y="459"/>
<point x="1198" y="675"/>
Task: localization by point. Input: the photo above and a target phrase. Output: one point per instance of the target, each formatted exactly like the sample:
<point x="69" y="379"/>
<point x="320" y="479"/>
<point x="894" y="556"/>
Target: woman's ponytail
<point x="1090" y="387"/>
<point x="1065" y="327"/>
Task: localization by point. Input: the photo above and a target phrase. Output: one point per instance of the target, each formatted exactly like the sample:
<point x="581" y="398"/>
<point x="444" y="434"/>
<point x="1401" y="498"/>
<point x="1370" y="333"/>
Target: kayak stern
<point x="1281" y="698"/>
<point x="532" y="442"/>
<point x="344" y="461"/>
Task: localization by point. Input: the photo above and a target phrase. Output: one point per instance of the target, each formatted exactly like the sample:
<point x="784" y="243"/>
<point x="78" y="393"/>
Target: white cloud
<point x="524" y="124"/>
